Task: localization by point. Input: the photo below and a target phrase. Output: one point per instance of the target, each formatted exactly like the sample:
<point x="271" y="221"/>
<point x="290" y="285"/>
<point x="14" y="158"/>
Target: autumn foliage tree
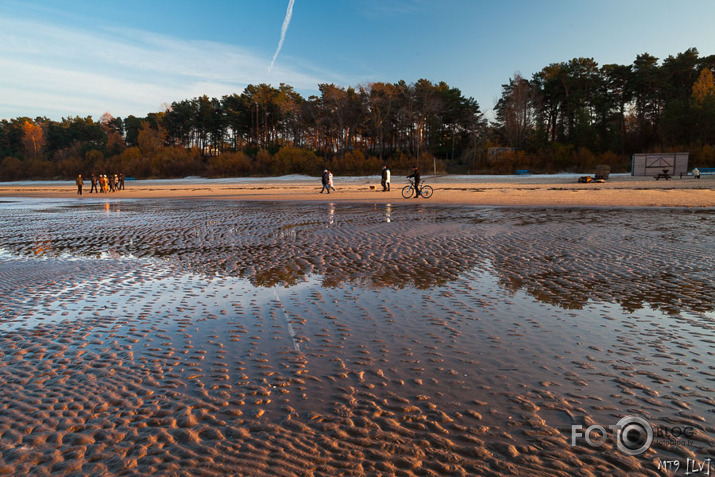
<point x="703" y="100"/>
<point x="33" y="140"/>
<point x="567" y="116"/>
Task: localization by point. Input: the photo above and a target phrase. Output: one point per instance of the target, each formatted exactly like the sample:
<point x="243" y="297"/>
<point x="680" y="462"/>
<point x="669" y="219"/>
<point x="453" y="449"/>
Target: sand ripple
<point x="262" y="339"/>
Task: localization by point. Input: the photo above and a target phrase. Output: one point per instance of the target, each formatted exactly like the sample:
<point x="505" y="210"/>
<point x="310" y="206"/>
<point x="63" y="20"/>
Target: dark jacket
<point x="415" y="175"/>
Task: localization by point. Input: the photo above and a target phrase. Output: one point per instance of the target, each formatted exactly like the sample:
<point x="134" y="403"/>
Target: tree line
<point x="568" y="117"/>
<point x="574" y="114"/>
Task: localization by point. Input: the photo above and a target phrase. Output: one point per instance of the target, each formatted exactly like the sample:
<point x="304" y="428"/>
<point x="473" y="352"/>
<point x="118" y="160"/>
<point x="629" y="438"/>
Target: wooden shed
<point x="653" y="164"/>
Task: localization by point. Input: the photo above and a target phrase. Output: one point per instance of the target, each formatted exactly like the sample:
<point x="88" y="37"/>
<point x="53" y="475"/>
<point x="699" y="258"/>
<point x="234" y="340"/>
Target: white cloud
<point x="59" y="71"/>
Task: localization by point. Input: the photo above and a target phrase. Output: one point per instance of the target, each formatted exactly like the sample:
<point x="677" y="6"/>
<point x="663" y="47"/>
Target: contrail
<point x="284" y="29"/>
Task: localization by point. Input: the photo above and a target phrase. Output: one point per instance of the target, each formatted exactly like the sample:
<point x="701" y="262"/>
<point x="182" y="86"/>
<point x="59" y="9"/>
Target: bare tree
<point x="515" y="112"/>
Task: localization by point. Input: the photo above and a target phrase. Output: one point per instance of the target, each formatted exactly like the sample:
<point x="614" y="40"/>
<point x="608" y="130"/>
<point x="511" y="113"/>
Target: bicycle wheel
<point x="407" y="191"/>
<point x="426" y="191"/>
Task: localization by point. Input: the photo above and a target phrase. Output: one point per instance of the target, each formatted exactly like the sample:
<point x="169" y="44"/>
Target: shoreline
<point x="552" y="191"/>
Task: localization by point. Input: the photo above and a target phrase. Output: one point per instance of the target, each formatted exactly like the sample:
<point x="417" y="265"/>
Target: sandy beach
<point x="287" y="333"/>
<point x="619" y="191"/>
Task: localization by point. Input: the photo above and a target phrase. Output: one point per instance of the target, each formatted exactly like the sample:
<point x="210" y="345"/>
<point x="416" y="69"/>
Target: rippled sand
<point x="170" y="337"/>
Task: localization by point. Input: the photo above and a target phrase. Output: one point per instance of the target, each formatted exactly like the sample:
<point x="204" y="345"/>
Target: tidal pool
<point x="302" y="339"/>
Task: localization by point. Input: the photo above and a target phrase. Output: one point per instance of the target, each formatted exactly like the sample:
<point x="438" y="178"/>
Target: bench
<point x="663" y="175"/>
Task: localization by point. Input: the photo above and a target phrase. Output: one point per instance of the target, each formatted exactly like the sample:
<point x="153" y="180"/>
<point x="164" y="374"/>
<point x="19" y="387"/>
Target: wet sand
<point x="620" y="191"/>
<point x="205" y="337"/>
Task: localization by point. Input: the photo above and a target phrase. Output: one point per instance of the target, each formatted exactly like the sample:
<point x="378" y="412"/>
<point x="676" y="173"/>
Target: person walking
<point x="94" y="184"/>
<point x="416" y="176"/>
<point x="324" y="181"/>
<point x="330" y="182"/>
<point x="385" y="179"/>
<point x="696" y="173"/>
<point x="121" y="180"/>
<point x="79" y="183"/>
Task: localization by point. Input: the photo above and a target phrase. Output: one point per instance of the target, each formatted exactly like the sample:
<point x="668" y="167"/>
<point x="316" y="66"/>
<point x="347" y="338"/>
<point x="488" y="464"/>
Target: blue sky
<point x="66" y="58"/>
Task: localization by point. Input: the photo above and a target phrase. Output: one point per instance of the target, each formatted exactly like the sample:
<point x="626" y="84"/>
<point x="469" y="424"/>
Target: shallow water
<point x="152" y="336"/>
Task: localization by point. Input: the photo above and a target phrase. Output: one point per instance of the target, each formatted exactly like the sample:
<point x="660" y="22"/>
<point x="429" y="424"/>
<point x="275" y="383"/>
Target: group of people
<point x="102" y="183"/>
<point x="327" y="180"/>
<point x="386" y="179"/>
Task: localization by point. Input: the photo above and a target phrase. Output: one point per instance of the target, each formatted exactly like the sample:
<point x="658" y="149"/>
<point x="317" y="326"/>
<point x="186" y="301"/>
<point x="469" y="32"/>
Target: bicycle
<point x="409" y="190"/>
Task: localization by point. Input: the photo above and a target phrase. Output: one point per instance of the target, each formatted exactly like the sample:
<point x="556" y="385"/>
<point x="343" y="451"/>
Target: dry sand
<point x="199" y="337"/>
<point x="620" y="191"/>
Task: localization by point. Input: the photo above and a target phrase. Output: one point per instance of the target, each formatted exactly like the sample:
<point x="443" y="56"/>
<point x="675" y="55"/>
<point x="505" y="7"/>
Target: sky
<point x="66" y="58"/>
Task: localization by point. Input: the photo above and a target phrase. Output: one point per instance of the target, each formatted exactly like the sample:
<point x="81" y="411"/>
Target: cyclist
<point x="416" y="176"/>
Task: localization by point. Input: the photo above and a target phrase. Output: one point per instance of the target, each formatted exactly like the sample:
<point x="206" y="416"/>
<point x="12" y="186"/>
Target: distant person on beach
<point x="696" y="173"/>
<point x="94" y="184"/>
<point x="330" y="182"/>
<point x="324" y="181"/>
<point x="79" y="183"/>
<point x="416" y="176"/>
<point x="385" y="179"/>
<point x="121" y="181"/>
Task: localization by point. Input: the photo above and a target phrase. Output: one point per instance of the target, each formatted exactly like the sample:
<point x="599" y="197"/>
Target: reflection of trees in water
<point x="560" y="257"/>
<point x="663" y="261"/>
<point x="554" y="288"/>
<point x="339" y="262"/>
